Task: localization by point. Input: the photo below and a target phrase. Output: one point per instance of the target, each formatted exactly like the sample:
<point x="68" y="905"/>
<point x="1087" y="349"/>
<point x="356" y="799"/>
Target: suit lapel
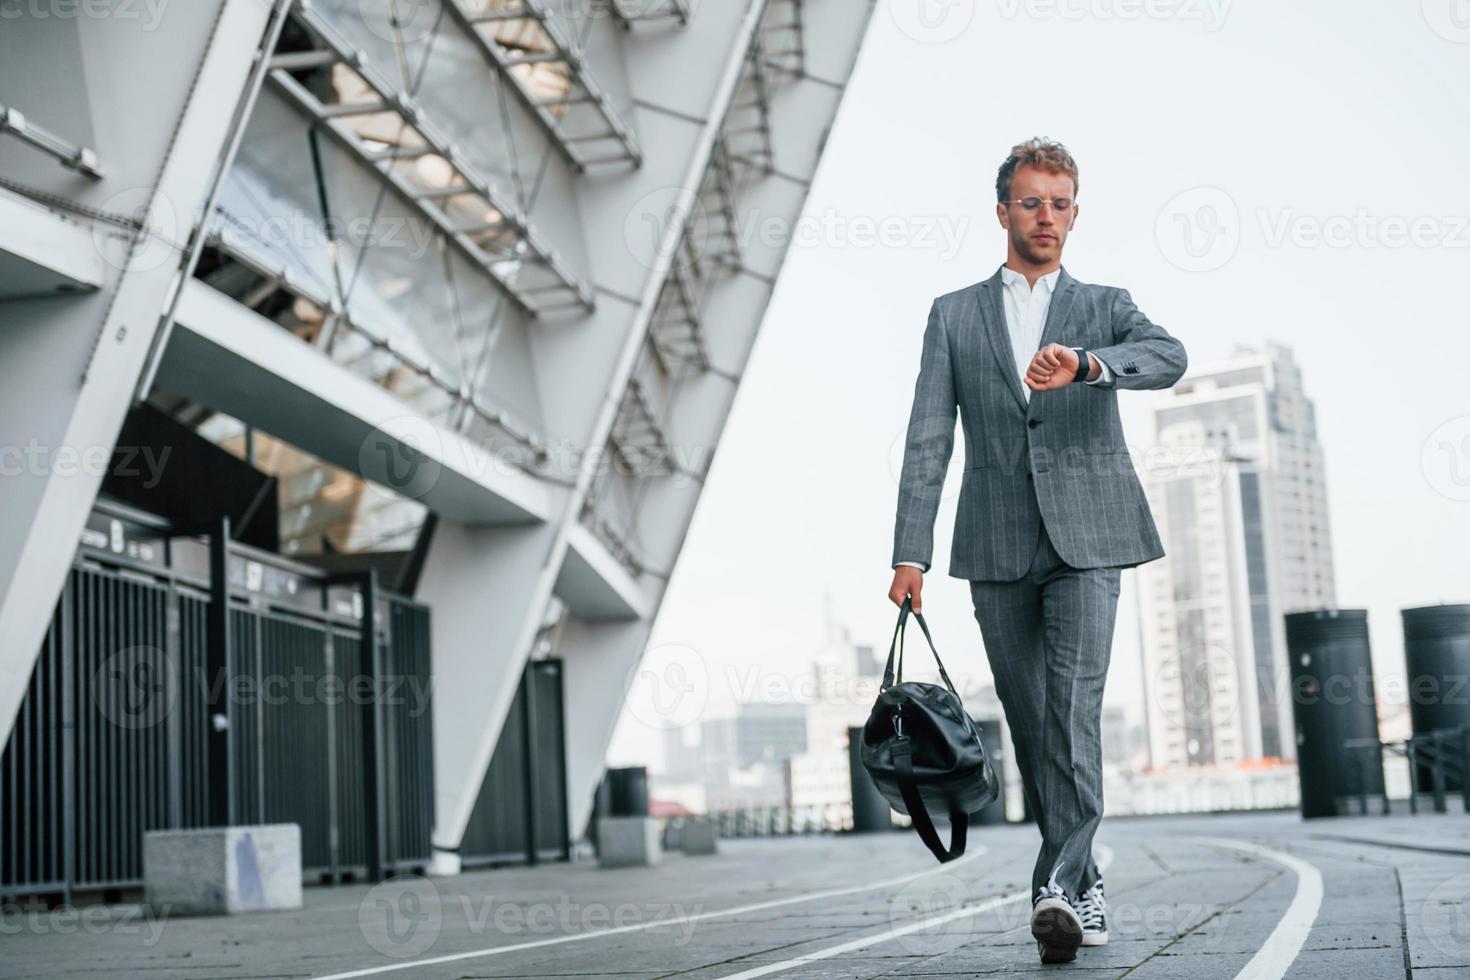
<point x="1061" y="305"/>
<point x="993" y="316"/>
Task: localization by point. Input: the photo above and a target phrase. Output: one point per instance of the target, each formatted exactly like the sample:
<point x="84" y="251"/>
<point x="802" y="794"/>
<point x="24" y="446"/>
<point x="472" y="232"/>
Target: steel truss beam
<point x="785" y="31"/>
<point x="709" y="245"/>
<point x="630" y="12"/>
<point x="273" y="278"/>
<point x="517" y="64"/>
<point x="505" y="240"/>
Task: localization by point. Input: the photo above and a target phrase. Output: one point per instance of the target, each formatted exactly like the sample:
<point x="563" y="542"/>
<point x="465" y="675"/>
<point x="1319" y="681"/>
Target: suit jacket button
<point x="1033" y="423"/>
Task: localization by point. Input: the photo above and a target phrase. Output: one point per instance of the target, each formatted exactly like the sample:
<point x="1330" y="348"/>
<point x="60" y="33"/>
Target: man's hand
<point x="1054" y="366"/>
<point x="907" y="581"/>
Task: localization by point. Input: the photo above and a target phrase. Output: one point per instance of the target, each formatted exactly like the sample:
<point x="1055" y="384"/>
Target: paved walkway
<point x="1263" y="895"/>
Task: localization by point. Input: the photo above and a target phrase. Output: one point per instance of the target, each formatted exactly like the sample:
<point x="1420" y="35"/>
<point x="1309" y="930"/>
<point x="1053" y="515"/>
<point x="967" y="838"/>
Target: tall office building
<point x="840" y="689"/>
<point x="1235" y="479"/>
<point x="372" y="341"/>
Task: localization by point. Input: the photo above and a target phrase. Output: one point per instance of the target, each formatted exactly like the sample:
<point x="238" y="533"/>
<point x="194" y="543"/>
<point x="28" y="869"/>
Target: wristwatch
<point x="1083" y="367"/>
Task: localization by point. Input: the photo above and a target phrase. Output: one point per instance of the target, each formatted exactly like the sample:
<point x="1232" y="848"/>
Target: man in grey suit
<point x="1050" y="508"/>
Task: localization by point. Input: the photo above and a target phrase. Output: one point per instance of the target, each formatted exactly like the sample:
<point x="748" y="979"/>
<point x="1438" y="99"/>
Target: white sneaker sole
<point x="1095" y="938"/>
<point x="1057" y="930"/>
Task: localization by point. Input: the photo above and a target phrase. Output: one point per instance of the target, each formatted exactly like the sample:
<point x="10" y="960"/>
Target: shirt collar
<point x="1011" y="277"/>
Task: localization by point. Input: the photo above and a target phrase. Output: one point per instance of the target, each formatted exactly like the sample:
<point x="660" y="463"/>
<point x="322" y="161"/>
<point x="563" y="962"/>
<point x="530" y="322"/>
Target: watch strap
<point x="1084" y="367"/>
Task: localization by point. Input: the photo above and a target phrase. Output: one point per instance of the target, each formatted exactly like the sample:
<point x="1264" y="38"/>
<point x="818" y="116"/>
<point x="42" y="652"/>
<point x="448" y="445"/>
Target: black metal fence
<point x="520" y="813"/>
<point x="315" y="709"/>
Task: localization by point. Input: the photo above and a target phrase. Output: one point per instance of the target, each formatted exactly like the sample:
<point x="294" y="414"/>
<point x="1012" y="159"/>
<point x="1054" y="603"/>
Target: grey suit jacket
<point x="1060" y="459"/>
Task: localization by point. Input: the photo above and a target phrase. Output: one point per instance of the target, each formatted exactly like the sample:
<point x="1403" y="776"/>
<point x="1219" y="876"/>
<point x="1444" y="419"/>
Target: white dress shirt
<point x="1026" y="307"/>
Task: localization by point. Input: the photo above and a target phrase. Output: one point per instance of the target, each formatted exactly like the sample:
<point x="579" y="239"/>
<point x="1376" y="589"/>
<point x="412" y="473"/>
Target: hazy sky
<point x="1248" y="170"/>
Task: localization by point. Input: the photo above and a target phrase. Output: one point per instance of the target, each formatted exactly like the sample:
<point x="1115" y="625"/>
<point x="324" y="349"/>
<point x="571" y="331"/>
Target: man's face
<point x="1038" y="236"/>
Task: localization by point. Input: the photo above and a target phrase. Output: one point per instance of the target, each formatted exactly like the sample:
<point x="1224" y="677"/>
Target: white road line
<point x="1105" y="858"/>
<point x="971" y="854"/>
<point x="1274" y="958"/>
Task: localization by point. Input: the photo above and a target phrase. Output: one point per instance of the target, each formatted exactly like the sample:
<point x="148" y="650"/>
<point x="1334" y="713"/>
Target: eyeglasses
<point x="1032" y="204"/>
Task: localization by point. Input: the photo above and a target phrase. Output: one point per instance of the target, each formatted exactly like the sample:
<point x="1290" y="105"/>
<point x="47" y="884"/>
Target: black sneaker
<point x="1092" y="909"/>
<point x="1055" y="924"/>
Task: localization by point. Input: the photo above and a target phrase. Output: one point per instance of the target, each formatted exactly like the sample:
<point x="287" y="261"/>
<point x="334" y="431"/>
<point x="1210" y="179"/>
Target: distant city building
<point x="681" y="759"/>
<point x="1236" y="482"/>
<point x="769" y="733"/>
<point x="840" y="689"/>
<point x="1125" y="745"/>
<point x="742" y="758"/>
<point x="819" y="779"/>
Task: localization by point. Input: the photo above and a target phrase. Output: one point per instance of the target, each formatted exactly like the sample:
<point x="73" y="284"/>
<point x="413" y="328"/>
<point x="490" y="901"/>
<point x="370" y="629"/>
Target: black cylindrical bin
<point x="870" y="811"/>
<point x="1437" y="660"/>
<point x="628" y="789"/>
<point x="990" y="737"/>
<point x="1333" y="703"/>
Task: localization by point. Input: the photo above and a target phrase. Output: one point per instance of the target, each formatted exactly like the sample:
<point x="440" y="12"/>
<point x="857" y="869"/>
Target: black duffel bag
<point x="924" y="752"/>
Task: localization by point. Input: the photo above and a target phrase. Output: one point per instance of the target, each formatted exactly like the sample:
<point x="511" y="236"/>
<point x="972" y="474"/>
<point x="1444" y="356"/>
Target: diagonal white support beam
<point x="67" y="372"/>
<point x="462" y="754"/>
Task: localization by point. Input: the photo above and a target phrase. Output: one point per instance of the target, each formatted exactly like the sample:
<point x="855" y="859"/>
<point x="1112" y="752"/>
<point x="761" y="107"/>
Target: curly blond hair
<point x="1047" y="154"/>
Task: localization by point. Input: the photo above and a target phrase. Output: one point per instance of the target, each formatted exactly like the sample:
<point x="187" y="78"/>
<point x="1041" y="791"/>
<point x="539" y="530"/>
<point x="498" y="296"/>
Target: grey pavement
<point x="1195" y="897"/>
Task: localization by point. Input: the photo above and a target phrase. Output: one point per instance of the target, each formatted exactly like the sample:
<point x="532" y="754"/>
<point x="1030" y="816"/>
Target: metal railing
<point x="147" y="710"/>
<point x="763" y="821"/>
<point x="1438" y="759"/>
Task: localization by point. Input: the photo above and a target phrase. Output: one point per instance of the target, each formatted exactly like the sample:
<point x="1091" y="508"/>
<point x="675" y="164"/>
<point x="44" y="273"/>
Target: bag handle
<point x="897" y="643"/>
<point x="959" y="821"/>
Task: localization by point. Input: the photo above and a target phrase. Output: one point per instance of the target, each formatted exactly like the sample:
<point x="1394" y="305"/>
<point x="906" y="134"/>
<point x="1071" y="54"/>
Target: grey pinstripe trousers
<point x="1049" y="636"/>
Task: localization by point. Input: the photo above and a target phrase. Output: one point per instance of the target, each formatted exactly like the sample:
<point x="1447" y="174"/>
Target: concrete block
<point x="627" y="842"/>
<point x="697" y="836"/>
<point x="220" y="870"/>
